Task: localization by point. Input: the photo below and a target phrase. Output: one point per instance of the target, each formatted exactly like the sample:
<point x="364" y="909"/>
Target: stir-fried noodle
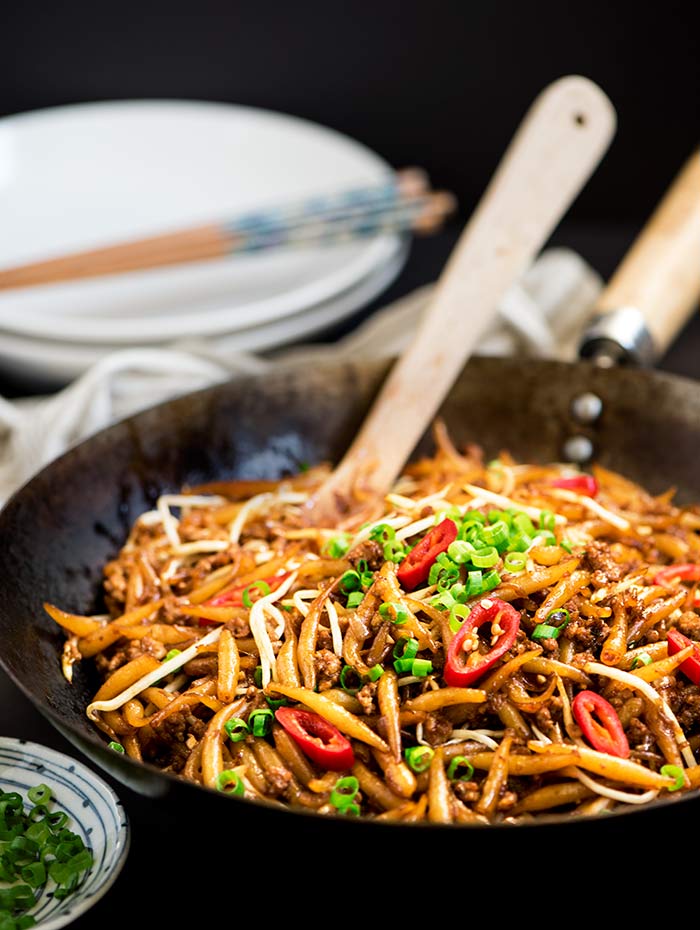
<point x="492" y="642"/>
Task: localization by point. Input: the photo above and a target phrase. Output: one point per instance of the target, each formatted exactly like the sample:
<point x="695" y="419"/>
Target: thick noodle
<point x="545" y="661"/>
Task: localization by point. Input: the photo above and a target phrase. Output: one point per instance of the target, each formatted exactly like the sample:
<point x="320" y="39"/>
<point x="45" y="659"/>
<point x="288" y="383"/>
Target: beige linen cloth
<point x="542" y="316"/>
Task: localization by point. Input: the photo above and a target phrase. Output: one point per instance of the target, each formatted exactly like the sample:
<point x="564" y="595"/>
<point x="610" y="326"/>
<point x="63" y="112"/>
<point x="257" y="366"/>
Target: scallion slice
<point x="515" y="562"/>
<point x="344" y="792"/>
<point x="261" y="586"/>
<point x="350" y="681"/>
<point x="419" y="758"/>
<point x="486" y="557"/>
<point x="460" y="769"/>
<point x="337" y="546"/>
<point x="260" y="721"/>
<point x="545" y="631"/>
<point x="230" y="782"/>
<point x="674" y="771"/>
<point x="394" y="612"/>
<point x="421" y="667"/>
<point x="236" y="729"/>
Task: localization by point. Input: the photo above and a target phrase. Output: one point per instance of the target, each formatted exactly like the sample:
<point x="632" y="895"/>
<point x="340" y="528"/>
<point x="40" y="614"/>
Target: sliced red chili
<point x="599" y="723"/>
<point x="323" y="743"/>
<point x="415" y="568"/>
<point x="583" y="484"/>
<point x="690" y="666"/>
<point x="462" y="669"/>
<point x="683" y="571"/>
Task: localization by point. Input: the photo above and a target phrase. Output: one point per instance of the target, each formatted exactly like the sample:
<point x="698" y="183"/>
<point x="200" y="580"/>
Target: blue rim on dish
<point x="95" y="813"/>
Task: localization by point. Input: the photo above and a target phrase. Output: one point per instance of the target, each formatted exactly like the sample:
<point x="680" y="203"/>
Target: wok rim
<point x="94" y="748"/>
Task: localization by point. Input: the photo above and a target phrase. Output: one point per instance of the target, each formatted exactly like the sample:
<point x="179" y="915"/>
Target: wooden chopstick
<point x="402" y="203"/>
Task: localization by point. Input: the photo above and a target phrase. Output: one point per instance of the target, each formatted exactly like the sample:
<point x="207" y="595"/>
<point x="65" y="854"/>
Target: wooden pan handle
<point x="660" y="275"/>
<point x="553" y="153"/>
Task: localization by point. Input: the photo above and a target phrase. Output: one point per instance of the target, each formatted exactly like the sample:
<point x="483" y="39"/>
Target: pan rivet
<point x="587" y="407"/>
<point x="578" y="449"/>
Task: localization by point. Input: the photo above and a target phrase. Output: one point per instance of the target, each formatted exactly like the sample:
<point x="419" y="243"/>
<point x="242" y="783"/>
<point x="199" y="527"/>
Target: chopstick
<point x="403" y="202"/>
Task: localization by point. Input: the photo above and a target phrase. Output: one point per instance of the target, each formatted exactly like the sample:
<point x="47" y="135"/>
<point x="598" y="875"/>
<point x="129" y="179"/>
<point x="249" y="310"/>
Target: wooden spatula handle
<point x="660" y="275"/>
<point x="553" y="153"/>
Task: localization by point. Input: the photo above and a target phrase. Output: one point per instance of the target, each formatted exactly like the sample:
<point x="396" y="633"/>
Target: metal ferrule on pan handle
<point x="618" y="337"/>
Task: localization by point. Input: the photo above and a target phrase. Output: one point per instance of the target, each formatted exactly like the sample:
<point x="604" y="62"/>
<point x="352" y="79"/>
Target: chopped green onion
<point x="547" y="521"/>
<point x="366" y="578"/>
<point x="274" y="703"/>
<point x="350" y="581"/>
<point x="365" y="573"/>
<point x="460" y="769"/>
<point x="559" y="617"/>
<point x="395" y="612"/>
<point x="406" y="648"/>
<point x="344" y="792"/>
<point x="230" y="782"/>
<point x="443" y="570"/>
<point x="490" y="581"/>
<point x="458" y="614"/>
<point x="497" y="534"/>
<point x="522" y="522"/>
<point x="475" y="583"/>
<point x="347" y="675"/>
<point x="459" y="592"/>
<point x="236" y="729"/>
<point x="519" y="542"/>
<point x="419" y="757"/>
<point x="460" y="551"/>
<point x="674" y="771"/>
<point x="382" y="533"/>
<point x="515" y="562"/>
<point x="351" y="809"/>
<point x="403" y="665"/>
<point x="355" y="598"/>
<point x="257" y="676"/>
<point x="565" y="544"/>
<point x="450" y="513"/>
<point x="171" y="654"/>
<point x="34" y="874"/>
<point x="375" y="672"/>
<point x="262" y="586"/>
<point x="443" y="600"/>
<point x="546" y="538"/>
<point x="115" y="746"/>
<point x="545" y="631"/>
<point x="338" y="546"/>
<point x="260" y="721"/>
<point x="35" y="845"/>
<point x="39" y="794"/>
<point x="421" y="667"/>
<point x="486" y="557"/>
<point x="394" y="551"/>
<point x="642" y="659"/>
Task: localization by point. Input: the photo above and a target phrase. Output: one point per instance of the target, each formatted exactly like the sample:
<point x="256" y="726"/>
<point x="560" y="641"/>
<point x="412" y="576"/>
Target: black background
<point x="438" y="83"/>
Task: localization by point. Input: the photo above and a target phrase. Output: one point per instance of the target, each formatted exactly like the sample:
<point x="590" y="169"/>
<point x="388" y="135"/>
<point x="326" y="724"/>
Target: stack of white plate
<point x="83" y="176"/>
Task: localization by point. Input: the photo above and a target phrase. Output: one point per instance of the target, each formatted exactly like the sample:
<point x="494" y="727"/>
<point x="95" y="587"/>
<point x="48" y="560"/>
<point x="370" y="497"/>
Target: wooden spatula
<point x="556" y="148"/>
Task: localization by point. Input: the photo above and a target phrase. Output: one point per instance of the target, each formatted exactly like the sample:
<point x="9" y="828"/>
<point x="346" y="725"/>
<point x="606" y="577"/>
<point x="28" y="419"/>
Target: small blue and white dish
<point x="94" y="813"/>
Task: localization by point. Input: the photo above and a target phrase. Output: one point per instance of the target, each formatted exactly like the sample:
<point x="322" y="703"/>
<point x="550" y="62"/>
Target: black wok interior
<point x="59" y="529"/>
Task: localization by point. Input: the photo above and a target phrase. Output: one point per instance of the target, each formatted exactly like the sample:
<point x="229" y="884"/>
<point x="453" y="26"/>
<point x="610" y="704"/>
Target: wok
<point x="57" y="531"/>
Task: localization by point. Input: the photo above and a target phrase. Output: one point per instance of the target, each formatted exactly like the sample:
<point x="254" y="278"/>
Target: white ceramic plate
<point x="86" y="175"/>
<point x="94" y="813"/>
<point x="56" y="363"/>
